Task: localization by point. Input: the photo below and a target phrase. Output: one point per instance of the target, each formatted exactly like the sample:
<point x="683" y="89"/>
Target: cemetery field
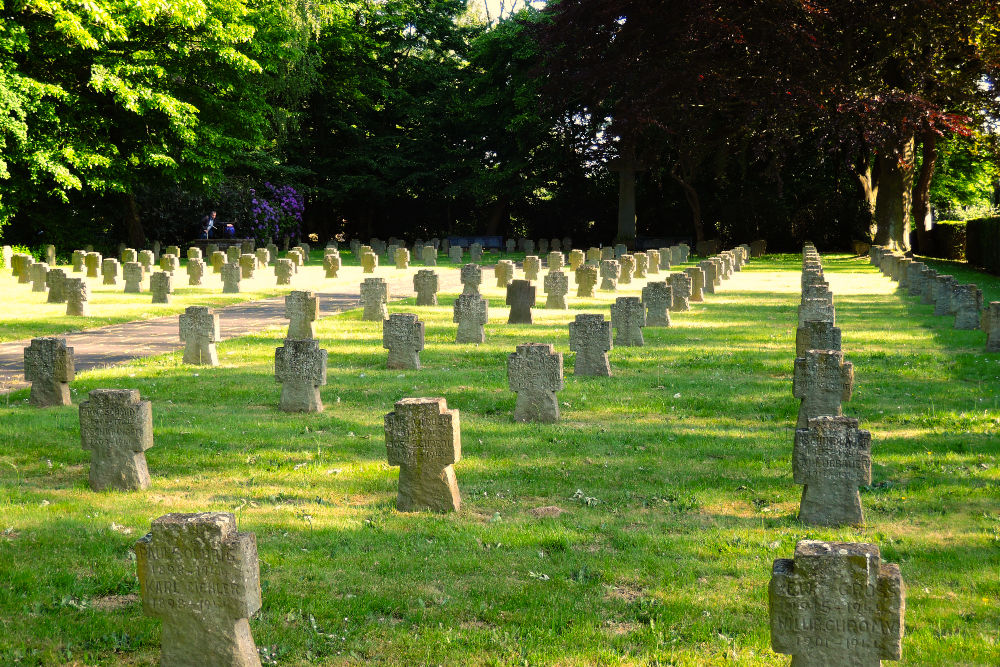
<point x="639" y="529"/>
<point x="26" y="314"/>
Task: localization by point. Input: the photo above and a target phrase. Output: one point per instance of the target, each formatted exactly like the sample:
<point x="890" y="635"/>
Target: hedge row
<point x="983" y="243"/>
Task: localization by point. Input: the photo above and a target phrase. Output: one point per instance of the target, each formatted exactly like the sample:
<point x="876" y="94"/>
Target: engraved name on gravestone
<point x="300" y="367"/>
<point x="816" y="335"/>
<point x="472" y="277"/>
<point x="403" y="336"/>
<point x="836" y="603"/>
<point x="195" y="271"/>
<point x="284" y="268"/>
<point x="302" y="311"/>
<point x="48" y="366"/>
<point x="590" y="338"/>
<point x="532" y="264"/>
<point x="201" y="579"/>
<point x="425" y="284"/>
<point x="628" y="317"/>
<point x="199" y="331"/>
<point x="966" y="303"/>
<point x="535" y="372"/>
<point x="991" y="326"/>
<point x="471" y="312"/>
<point x="680" y="292"/>
<point x="521" y="299"/>
<point x="610" y="272"/>
<point x="832" y="458"/>
<point x="504" y="272"/>
<point x="374" y="299"/>
<point x="423" y="438"/>
<point x="161" y="285"/>
<point x="77" y="297"/>
<point x="657" y="298"/>
<point x="55" y="280"/>
<point x="822" y="381"/>
<point x="117" y="428"/>
<point x="556" y="284"/>
<point x="331" y="264"/>
<point x="231" y="274"/>
<point x="586" y="280"/>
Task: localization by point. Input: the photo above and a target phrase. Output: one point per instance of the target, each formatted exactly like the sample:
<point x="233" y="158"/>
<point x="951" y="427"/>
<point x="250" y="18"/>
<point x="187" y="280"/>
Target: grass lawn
<point x="675" y="477"/>
<point x="27" y="315"/>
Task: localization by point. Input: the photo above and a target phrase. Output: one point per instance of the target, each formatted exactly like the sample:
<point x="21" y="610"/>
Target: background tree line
<point x="830" y="120"/>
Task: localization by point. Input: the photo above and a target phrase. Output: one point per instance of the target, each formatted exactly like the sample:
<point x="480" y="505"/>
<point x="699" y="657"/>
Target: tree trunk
<point x="133" y="225"/>
<point x="691" y="195"/>
<point x="922" y="192"/>
<point x="868" y="183"/>
<point x="894" y="200"/>
<point x="496" y="215"/>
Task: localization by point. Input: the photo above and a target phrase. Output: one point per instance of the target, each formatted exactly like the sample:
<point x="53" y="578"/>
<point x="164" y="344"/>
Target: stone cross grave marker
<point x="666" y="255"/>
<point x="93" y="262"/>
<point x="586" y="280"/>
<point x="173" y="250"/>
<point x="195" y="271"/>
<point x="117" y="428"/>
<point x="331" y="264"/>
<point x="628" y="317"/>
<point x="374" y="298"/>
<point x="966" y="303"/>
<point x="653" y="261"/>
<point x="201" y="579"/>
<point x="535" y="372"/>
<point x="816" y="335"/>
<point x="247" y="265"/>
<point x="194" y="252"/>
<point x="821" y="309"/>
<point x="402" y="258"/>
<point x="476" y="253"/>
<point x="554" y="261"/>
<point x="403" y="336"/>
<point x="627" y="263"/>
<point x="532" y="265"/>
<point x="263" y="256"/>
<point x="218" y="260"/>
<point x="915" y="278"/>
<point x="697" y="276"/>
<point x="472" y="277"/>
<point x="556" y="284"/>
<point x="641" y="264"/>
<point x="55" y="280"/>
<point x="302" y="311"/>
<point x="594" y="255"/>
<point x="991" y="326"/>
<point x="423" y="438"/>
<point x="930" y="287"/>
<point x="543" y="246"/>
<point x="657" y="298"/>
<point x="425" y="284"/>
<point x="77" y="260"/>
<point x="109" y="270"/>
<point x="709" y="268"/>
<point x="610" y="272"/>
<point x="521" y="299"/>
<point x="455" y="254"/>
<point x="300" y="367"/>
<point x="504" y="272"/>
<point x="832" y="458"/>
<point x="233" y="254"/>
<point x="511" y="245"/>
<point x="170" y="263"/>
<point x="161" y="285"/>
<point x="369" y="262"/>
<point x="39" y="272"/>
<point x="77" y="297"/>
<point x="471" y="312"/>
<point x="529" y="247"/>
<point x="576" y="259"/>
<point x="48" y="366"/>
<point x="429" y="256"/>
<point x="822" y="380"/>
<point x="284" y="268"/>
<point x="836" y="603"/>
<point x="680" y="291"/>
<point x="231" y="274"/>
<point x="942" y="294"/>
<point x="590" y="338"/>
<point x="620" y="249"/>
<point x="199" y="331"/>
<point x="50" y="254"/>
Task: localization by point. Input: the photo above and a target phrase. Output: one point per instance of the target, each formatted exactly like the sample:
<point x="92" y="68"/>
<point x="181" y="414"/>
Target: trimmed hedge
<point x="983" y="243"/>
<point x="948" y="238"/>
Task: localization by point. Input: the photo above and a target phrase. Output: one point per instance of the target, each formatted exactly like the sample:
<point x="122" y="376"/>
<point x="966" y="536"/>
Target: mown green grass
<point x="675" y="475"/>
<point x="26" y="314"/>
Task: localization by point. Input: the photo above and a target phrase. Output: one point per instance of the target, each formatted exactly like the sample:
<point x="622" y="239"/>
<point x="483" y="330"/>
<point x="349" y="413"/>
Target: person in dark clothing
<point x="207" y="225"/>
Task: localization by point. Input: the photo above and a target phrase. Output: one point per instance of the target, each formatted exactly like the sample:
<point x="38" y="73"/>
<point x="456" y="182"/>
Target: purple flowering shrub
<point x="275" y="211"/>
